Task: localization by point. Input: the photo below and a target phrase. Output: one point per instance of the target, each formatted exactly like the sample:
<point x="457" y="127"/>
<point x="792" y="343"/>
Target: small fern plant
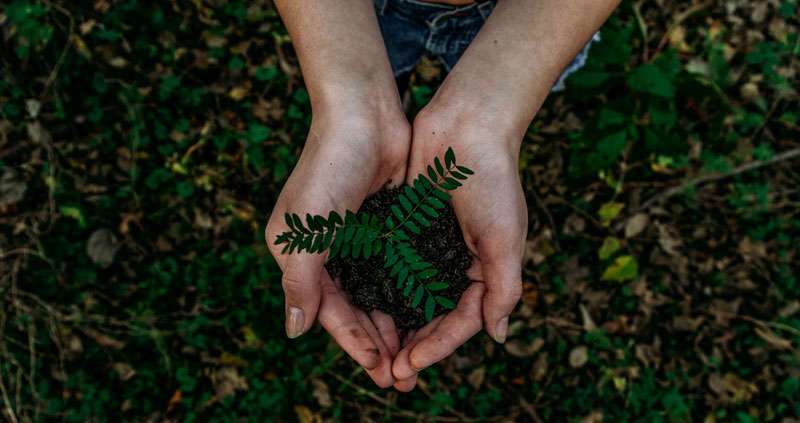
<point x="363" y="235"/>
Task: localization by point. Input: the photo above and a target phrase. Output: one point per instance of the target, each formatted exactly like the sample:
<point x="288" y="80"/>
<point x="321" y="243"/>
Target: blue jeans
<point x="412" y="28"/>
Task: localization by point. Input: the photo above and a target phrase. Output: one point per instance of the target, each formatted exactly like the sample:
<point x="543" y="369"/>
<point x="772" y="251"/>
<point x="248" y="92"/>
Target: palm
<point x="337" y="171"/>
<point x="492" y="214"/>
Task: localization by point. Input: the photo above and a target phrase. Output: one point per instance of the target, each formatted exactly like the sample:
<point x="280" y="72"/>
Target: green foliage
<point x="362" y="235"/>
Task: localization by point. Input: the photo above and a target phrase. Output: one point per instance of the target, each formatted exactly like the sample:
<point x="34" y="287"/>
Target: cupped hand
<point x="348" y="155"/>
<point x="491" y="210"/>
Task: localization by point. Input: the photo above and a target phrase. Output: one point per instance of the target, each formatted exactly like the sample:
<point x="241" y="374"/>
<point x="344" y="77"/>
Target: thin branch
<point x="786" y="155"/>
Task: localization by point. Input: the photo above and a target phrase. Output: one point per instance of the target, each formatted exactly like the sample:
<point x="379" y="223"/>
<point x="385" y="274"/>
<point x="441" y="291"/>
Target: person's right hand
<point x="350" y="152"/>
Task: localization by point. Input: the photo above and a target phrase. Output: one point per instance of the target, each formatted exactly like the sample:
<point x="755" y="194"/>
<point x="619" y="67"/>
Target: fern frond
<point x="319" y="234"/>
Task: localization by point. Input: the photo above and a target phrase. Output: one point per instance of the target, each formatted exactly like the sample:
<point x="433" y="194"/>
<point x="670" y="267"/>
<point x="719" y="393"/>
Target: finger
<point x="401" y="369"/>
<point x="338" y="318"/>
<point x="503" y="279"/>
<point x="455" y="329"/>
<point x="388" y="331"/>
<point x="406" y="385"/>
<point x="382" y="374"/>
<point x="301" y="285"/>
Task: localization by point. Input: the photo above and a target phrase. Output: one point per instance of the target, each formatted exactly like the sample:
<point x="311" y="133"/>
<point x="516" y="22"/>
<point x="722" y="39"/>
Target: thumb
<point x="503" y="279"/>
<point x="301" y="285"/>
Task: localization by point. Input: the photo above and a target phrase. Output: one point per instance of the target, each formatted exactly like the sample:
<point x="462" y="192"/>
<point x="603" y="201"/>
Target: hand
<point x="349" y="154"/>
<point x="491" y="211"/>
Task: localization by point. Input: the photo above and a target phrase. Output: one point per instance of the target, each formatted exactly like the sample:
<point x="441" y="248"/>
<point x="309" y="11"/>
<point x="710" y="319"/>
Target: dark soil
<point x="369" y="284"/>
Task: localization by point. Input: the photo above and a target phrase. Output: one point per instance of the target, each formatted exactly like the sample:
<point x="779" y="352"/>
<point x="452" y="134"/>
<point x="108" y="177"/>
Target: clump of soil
<point x="369" y="284"/>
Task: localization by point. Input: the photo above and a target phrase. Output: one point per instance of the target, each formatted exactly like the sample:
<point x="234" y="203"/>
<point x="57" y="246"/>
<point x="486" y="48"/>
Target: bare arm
<point x="341" y="51"/>
<point x="520" y="52"/>
<point x="358" y="141"/>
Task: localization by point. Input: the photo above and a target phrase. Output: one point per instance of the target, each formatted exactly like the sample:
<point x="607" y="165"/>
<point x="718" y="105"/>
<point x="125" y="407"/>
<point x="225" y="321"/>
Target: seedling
<point x="363" y="235"/>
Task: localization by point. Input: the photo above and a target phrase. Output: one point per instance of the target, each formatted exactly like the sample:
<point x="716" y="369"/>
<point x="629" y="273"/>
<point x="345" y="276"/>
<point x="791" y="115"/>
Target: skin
<point x="482" y="110"/>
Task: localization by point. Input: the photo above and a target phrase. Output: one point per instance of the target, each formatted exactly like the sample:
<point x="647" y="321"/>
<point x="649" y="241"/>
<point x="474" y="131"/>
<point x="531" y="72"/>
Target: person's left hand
<point x="491" y="210"/>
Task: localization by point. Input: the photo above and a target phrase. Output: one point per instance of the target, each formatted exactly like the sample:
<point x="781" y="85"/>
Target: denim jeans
<point x="412" y="28"/>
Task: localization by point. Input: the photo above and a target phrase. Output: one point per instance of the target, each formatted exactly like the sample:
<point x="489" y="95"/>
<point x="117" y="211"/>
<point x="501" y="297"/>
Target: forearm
<point x="341" y="52"/>
<point x="510" y="67"/>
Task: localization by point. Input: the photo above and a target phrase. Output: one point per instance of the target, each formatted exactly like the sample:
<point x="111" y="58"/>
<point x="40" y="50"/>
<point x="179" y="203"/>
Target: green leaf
<point x="610" y="246"/>
<point x="431" y="174"/>
<point x="403" y="274"/>
<point x="288" y="219"/>
<point x="439" y="167"/>
<point x="609" y="211"/>
<point x="426" y="182"/>
<point x="326" y="241"/>
<point x="418" y="187"/>
<point x="427" y="274"/>
<point x="465" y="170"/>
<point x="429" y="211"/>
<point x="430" y="307"/>
<point x="398" y="213"/>
<point x="445" y="302"/>
<point x="367" y="250"/>
<point x="421" y="219"/>
<point x="356" y="250"/>
<point x="412" y="227"/>
<point x="390" y="222"/>
<point x="436" y="286"/>
<point x="400" y="235"/>
<point x="404" y="202"/>
<point x="418" y="294"/>
<point x="349" y="231"/>
<point x="449" y="157"/>
<point x="298" y="224"/>
<point x="411" y="194"/>
<point x="441" y="195"/>
<point x="311" y="223"/>
<point x="453" y="182"/>
<point x="458" y="175"/>
<point x="335" y="218"/>
<point x="435" y="202"/>
<point x="317" y="245"/>
<point x="624" y="268"/>
<point x="396" y="269"/>
<point x="651" y="79"/>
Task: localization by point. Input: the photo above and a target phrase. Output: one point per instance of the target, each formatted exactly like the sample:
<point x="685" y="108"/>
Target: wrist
<point x="461" y="121"/>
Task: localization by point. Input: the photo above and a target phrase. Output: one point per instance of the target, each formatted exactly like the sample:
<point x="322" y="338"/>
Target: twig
<point x="54" y="72"/>
<point x="786" y="155"/>
<point x="679" y="18"/>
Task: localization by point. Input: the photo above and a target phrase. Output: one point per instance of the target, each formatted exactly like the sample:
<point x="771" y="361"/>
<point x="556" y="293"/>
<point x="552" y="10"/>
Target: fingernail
<point x="501" y="330"/>
<point x="295" y="320"/>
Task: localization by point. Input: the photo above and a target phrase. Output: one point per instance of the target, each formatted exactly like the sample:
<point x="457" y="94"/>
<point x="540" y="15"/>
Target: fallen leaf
<point x="477" y="376"/>
<point x="12" y="188"/>
<point x="624" y="268"/>
<point x="102" y="247"/>
<point x="321" y="393"/>
<point x="773" y="339"/>
<point x="521" y="349"/>
<point x="124" y="370"/>
<point x="578" y="356"/>
<point x="636" y="225"/>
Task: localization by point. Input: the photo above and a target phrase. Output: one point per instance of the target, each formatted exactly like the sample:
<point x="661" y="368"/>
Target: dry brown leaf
<point x="521" y="349"/>
<point x="636" y="224"/>
<point x="321" y="393"/>
<point x="578" y="356"/>
<point x="124" y="370"/>
<point x="477" y="376"/>
<point x="102" y="246"/>
<point x="773" y="339"/>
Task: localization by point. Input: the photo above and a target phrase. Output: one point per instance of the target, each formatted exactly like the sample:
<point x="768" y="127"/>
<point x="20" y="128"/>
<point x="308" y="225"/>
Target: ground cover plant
<point x="143" y="143"/>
